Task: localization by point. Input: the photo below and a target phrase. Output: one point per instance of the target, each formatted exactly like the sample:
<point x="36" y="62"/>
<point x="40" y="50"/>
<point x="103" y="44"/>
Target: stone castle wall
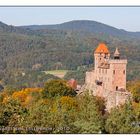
<point x="116" y="98"/>
<point x="112" y="98"/>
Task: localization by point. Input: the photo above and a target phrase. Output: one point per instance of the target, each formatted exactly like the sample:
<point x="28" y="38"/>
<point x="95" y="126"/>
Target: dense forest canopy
<point x="56" y="109"/>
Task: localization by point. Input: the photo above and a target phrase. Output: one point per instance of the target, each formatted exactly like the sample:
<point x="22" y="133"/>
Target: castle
<point x="108" y="79"/>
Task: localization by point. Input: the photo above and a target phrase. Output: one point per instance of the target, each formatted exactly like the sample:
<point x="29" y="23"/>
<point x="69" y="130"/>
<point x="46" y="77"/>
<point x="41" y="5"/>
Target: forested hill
<point x="23" y="50"/>
<point x="88" y="26"/>
<point x="13" y="29"/>
<point x="75" y="25"/>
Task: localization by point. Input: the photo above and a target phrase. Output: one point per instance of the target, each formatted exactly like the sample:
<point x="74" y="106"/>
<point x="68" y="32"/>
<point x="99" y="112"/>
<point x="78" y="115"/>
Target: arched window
<point x="124" y="72"/>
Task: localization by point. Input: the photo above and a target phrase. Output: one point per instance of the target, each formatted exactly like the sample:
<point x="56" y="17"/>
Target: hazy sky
<point x="127" y="18"/>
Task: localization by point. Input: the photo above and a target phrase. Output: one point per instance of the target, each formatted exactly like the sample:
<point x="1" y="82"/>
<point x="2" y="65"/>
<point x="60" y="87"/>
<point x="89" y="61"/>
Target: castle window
<point x="124" y="72"/>
<point x="98" y="82"/>
<point x="113" y="71"/>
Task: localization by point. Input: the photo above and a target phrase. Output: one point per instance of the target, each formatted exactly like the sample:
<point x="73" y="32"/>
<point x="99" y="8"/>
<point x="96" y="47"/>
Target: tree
<point x="28" y="95"/>
<point x="68" y="103"/>
<point x="52" y="117"/>
<point x="134" y="88"/>
<point x="89" y="118"/>
<point x="57" y="88"/>
<point x="12" y="115"/>
<point x="122" y="120"/>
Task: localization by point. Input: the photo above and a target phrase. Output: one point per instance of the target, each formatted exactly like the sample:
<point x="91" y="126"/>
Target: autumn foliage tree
<point x="12" y="115"/>
<point x="68" y="103"/>
<point x="134" y="88"/>
<point x="57" y="88"/>
<point x="25" y="96"/>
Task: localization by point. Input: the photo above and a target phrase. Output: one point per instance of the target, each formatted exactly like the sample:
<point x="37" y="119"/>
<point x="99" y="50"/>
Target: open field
<point x="58" y="73"/>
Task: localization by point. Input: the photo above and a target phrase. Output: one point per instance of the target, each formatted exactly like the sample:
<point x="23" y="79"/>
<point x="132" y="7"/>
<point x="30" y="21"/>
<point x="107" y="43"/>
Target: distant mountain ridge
<point x="86" y="25"/>
<point x="75" y="25"/>
<point x="14" y="29"/>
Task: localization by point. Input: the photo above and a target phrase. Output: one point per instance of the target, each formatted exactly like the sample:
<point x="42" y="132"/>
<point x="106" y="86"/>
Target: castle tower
<point x="101" y="58"/>
<point x="101" y="55"/>
<point x="118" y="72"/>
<point x="110" y="74"/>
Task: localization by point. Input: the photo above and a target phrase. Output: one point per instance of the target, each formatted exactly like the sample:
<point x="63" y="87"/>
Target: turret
<point x="116" y="54"/>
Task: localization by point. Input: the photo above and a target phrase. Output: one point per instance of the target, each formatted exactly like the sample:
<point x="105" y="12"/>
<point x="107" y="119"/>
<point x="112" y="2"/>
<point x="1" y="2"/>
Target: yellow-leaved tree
<point x="27" y="96"/>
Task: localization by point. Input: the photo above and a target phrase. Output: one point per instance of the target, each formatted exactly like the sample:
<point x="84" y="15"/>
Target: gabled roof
<point x="102" y="48"/>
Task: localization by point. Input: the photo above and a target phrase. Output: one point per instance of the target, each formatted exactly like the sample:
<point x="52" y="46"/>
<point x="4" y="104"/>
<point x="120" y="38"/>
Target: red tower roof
<point x="102" y="48"/>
